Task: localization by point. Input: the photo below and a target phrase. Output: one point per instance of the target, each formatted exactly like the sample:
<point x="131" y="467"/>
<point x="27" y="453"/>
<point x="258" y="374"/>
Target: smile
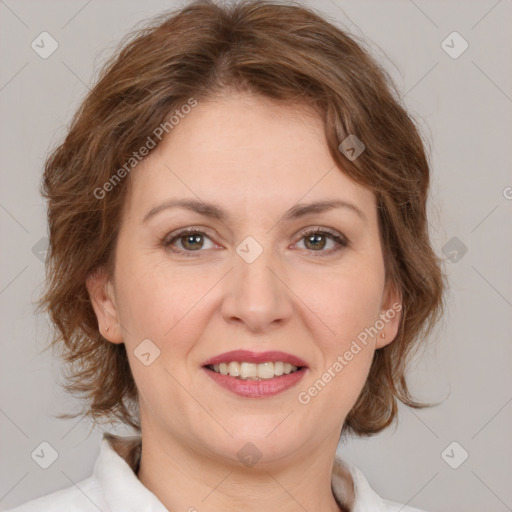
<point x="255" y="374"/>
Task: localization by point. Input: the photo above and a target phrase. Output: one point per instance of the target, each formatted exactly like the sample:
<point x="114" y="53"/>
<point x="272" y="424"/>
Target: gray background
<point x="464" y="106"/>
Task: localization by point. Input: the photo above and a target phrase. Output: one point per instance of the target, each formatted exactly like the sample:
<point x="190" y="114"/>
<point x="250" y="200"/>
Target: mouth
<point x="255" y="374"/>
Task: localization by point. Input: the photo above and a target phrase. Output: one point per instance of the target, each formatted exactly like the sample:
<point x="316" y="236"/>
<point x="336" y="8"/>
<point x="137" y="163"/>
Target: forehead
<point x="247" y="150"/>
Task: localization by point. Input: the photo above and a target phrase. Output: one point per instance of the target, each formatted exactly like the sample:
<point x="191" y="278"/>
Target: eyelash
<point x="333" y="235"/>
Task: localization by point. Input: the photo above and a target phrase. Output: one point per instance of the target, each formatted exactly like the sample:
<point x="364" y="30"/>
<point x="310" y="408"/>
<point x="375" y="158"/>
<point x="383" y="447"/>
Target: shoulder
<point x="365" y="498"/>
<point x="85" y="496"/>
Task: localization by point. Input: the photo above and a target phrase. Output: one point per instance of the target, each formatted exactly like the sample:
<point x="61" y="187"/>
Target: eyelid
<point x="323" y="230"/>
<point x="183" y="231"/>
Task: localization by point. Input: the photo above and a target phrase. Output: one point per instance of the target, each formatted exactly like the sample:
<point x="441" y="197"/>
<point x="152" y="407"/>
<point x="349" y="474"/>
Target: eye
<point x="316" y="240"/>
<point x="188" y="240"/>
<point x="192" y="240"/>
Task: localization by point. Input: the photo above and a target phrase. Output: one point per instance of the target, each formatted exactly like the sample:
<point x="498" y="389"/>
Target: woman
<point x="240" y="265"/>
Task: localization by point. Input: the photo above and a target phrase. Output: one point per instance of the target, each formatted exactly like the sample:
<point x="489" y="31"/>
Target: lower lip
<point x="257" y="388"/>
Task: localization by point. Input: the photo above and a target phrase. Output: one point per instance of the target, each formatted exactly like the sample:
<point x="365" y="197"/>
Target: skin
<point x="255" y="158"/>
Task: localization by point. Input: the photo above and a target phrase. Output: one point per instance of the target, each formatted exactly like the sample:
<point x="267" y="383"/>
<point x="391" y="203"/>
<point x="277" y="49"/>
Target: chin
<point x="262" y="442"/>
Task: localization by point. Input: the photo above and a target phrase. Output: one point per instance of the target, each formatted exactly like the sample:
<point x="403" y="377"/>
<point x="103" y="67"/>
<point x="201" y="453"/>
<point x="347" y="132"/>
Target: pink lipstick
<point x="255" y="374"/>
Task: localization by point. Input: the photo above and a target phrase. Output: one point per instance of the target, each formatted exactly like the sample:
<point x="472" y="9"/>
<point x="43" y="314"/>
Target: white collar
<point x="116" y="466"/>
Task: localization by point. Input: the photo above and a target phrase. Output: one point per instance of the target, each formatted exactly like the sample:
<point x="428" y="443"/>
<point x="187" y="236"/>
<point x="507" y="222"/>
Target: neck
<point x="200" y="482"/>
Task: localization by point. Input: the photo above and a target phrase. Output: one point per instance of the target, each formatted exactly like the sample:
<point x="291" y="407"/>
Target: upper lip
<point x="255" y="357"/>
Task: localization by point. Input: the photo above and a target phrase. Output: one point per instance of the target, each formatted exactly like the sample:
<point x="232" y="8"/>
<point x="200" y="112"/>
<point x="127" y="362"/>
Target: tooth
<point x="248" y="370"/>
<point x="234" y="369"/>
<point x="266" y="370"/>
<point x="278" y="368"/>
<point x="254" y="371"/>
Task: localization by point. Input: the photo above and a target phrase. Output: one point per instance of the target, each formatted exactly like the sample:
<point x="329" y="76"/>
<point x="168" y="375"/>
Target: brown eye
<point x="319" y="239"/>
<point x="192" y="242"/>
<point x="315" y="241"/>
<point x="188" y="241"/>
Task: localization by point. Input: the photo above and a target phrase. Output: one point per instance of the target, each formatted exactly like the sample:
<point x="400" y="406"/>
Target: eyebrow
<point x="216" y="212"/>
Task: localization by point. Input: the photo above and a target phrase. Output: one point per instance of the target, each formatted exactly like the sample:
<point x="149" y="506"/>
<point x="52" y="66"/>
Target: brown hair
<point x="281" y="51"/>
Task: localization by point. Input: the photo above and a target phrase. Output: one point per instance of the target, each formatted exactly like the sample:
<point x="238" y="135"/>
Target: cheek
<point x="355" y="306"/>
<point x="155" y="299"/>
<point x="163" y="306"/>
<point x="166" y="307"/>
<point x="349" y="307"/>
<point x="345" y="301"/>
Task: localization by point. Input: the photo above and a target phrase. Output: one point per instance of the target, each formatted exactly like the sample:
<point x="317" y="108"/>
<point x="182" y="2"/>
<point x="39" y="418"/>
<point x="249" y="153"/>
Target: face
<point x="257" y="271"/>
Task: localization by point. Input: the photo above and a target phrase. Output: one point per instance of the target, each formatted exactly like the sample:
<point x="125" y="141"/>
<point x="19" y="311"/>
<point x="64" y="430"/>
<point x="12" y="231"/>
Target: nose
<point x="257" y="295"/>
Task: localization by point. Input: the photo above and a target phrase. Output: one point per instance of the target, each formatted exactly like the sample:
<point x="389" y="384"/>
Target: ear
<point x="390" y="314"/>
<point x="101" y="293"/>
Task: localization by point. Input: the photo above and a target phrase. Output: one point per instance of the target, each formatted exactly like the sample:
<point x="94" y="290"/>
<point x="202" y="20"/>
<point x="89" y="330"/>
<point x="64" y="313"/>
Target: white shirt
<point x="114" y="486"/>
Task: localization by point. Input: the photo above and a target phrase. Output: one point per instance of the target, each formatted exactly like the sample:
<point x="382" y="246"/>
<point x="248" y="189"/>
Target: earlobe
<point x="390" y="315"/>
<point x="103" y="302"/>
